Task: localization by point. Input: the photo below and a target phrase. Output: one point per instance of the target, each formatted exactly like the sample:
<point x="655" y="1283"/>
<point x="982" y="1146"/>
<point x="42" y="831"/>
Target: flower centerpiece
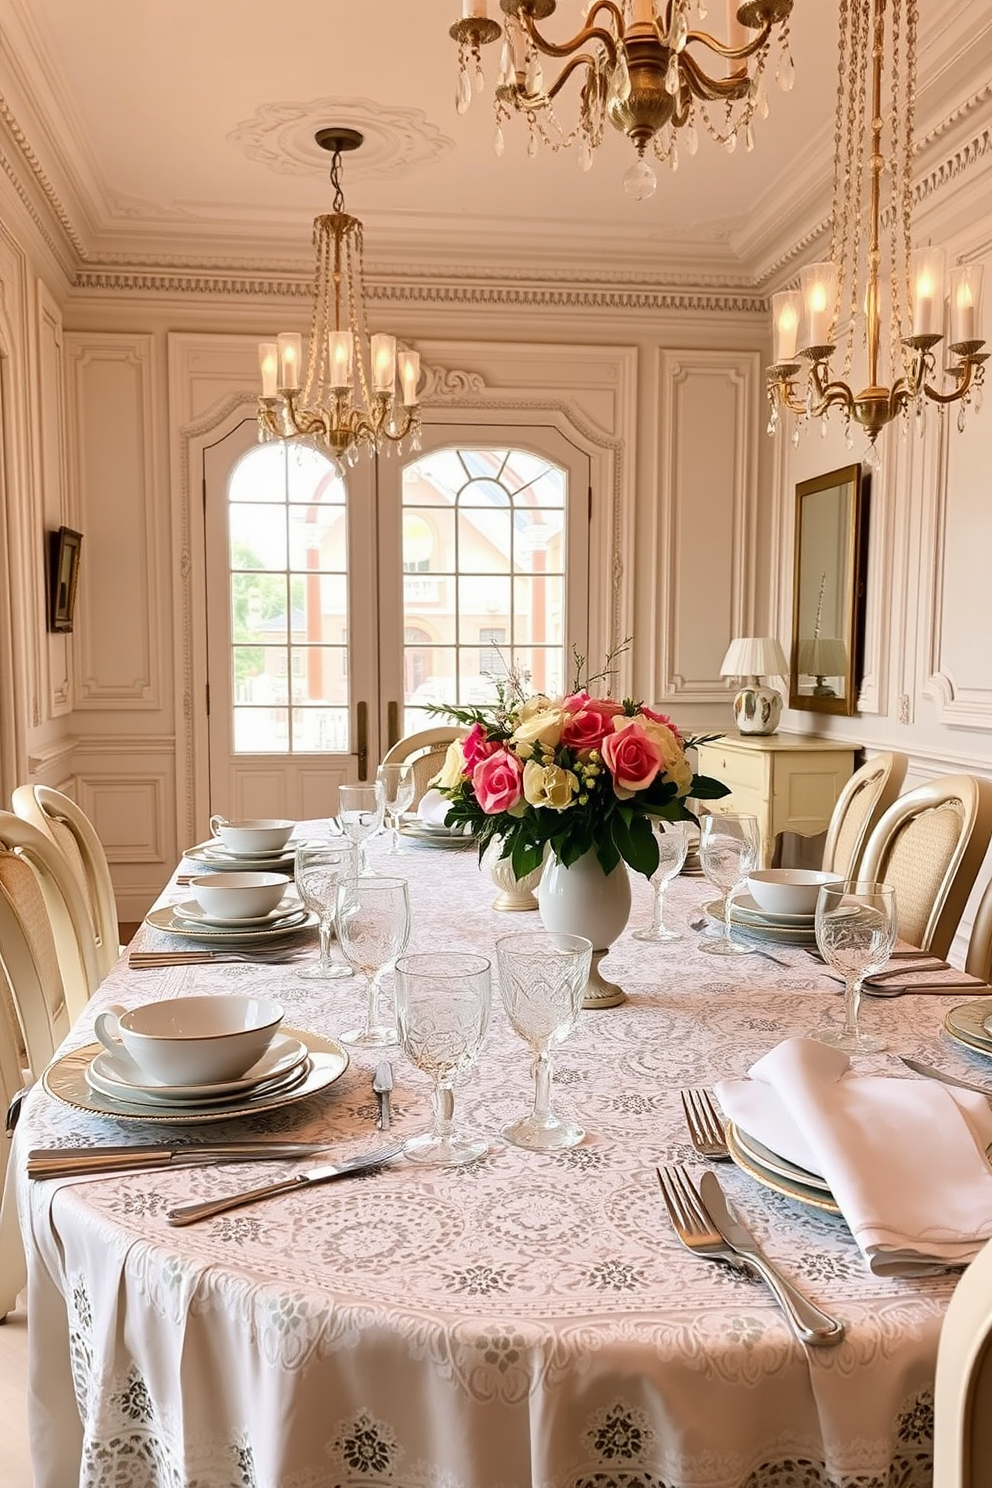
<point x="572" y="775"/>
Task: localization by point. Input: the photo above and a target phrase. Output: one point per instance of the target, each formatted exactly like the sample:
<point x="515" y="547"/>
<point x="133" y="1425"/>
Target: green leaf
<point x="636" y="844"/>
<point x="704" y="788"/>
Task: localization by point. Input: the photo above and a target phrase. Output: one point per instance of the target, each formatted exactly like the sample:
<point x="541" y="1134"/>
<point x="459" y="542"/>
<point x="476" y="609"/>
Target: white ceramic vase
<point x="515" y="894"/>
<point x="583" y="900"/>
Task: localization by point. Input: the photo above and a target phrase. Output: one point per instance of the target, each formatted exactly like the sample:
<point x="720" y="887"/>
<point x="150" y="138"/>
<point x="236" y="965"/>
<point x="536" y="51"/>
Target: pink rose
<point x="663" y="718"/>
<point x="498" y="782"/>
<point x="584" y="731"/>
<point x="579" y="702"/>
<point x="632" y="758"/>
<point x="476" y="747"/>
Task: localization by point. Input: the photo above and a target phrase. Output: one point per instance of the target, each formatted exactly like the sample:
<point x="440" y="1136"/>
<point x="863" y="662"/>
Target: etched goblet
<point x="373" y="921"/>
<point x="729" y="849"/>
<point x="855" y="931"/>
<point x="673" y="845"/>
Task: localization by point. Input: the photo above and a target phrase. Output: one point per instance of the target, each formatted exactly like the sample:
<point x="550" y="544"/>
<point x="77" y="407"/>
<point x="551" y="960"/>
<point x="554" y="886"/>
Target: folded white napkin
<point x="905" y="1159"/>
<point x="433" y="808"/>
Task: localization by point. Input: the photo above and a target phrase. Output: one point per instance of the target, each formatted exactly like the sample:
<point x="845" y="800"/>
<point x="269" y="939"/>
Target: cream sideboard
<point x="788" y="781"/>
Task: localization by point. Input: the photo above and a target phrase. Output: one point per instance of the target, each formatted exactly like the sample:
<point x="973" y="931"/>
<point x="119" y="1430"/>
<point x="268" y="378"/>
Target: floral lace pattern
<point x="528" y="1319"/>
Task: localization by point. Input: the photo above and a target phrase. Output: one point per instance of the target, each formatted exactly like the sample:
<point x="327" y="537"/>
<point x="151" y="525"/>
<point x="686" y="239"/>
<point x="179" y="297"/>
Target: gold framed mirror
<point x="828" y="591"/>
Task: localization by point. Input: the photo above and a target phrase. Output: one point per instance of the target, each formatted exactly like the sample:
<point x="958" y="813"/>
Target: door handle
<point x="362" y="739"/>
<point x="392" y="724"/>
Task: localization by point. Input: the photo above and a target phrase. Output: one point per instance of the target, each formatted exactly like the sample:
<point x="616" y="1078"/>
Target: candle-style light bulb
<point x="268" y="365"/>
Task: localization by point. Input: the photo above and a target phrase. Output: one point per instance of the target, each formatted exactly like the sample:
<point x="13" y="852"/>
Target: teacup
<point x="255" y="835"/>
<point x="238" y="896"/>
<point x="191" y="1040"/>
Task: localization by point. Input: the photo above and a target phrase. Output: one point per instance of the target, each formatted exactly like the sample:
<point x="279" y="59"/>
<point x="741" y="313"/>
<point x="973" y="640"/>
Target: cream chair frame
<point x="974" y="798"/>
<point x="862" y="803"/>
<point x="425" y="751"/>
<point x="962" y="1446"/>
<point x="65" y="906"/>
<point x="43" y="806"/>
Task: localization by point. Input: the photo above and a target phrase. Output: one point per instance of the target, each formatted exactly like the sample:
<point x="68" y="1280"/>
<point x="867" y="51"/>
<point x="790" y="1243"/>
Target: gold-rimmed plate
<point x="968" y="1024"/>
<point x="65" y="1080"/>
<point x="777" y="1173"/>
<point x="169" y="919"/>
<point x="783" y="934"/>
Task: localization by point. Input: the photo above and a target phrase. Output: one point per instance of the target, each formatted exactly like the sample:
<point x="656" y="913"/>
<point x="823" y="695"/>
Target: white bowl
<point x="260" y="835"/>
<point x="192" y="1040"/>
<point x="238" y="896"/>
<point x="788" y="890"/>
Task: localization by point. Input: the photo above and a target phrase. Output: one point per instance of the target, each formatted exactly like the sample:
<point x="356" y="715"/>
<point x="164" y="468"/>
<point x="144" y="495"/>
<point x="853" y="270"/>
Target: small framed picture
<point x="63" y="575"/>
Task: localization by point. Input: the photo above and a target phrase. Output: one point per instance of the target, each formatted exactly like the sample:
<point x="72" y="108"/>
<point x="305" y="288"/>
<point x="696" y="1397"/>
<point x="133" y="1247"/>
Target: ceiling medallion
<point x="848" y="290"/>
<point x="345" y="401"/>
<point x="638" y="65"/>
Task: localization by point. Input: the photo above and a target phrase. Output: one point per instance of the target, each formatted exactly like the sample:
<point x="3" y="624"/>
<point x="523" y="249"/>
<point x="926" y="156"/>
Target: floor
<point x="15" y="1462"/>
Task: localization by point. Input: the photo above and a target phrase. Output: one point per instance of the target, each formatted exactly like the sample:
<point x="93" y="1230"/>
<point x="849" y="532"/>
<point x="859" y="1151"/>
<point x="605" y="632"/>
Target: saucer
<point x="115" y="1073"/>
<point x="284" y="910"/>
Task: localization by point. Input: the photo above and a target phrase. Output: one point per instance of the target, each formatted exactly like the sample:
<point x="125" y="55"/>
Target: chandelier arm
<point x="712" y="89"/>
<point x="734" y="54"/>
<point x="534" y="102"/>
<point x="566" y="48"/>
<point x="964" y="373"/>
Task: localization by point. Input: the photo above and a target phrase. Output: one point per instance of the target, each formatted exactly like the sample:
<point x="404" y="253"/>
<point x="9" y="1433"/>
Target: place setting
<point x="194" y="1059"/>
<point x="260" y="843"/>
<point x="426" y="825"/>
<point x="244" y="909"/>
<point x="773" y="904"/>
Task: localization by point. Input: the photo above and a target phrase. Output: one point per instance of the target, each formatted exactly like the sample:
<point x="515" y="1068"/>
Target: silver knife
<point x="67" y="1162"/>
<point x="382" y="1084"/>
<point x="930" y="1073"/>
<point x="809" y="1324"/>
<point x="190" y="1213"/>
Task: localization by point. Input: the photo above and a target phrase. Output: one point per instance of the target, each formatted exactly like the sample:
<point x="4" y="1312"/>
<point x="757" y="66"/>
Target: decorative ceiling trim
<point x="397" y="141"/>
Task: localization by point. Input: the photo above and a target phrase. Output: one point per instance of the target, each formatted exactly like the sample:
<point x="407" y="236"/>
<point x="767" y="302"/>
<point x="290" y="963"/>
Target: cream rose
<point x="673" y="759"/>
<point x="539" y="703"/>
<point x="549" y="785"/>
<point x="453" y="770"/>
<point x="541" y="728"/>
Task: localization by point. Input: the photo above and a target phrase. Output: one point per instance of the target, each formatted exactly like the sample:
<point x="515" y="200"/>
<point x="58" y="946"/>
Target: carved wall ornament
<point x="397" y="141"/>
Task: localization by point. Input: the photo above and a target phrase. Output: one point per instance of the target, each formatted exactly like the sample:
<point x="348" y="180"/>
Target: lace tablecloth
<point x="524" y="1320"/>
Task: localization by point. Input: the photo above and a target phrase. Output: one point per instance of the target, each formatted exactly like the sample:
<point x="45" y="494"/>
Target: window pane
<point x="537" y="608"/>
<point x="320" y="674"/>
<point x="258" y="607"/>
<point x="260" y="475"/>
<point x="261" y="730"/>
<point x="543" y="665"/>
<point x="484" y="541"/>
<point x="258" y="537"/>
<point x="318" y="538"/>
<point x="310" y="476"/>
<point x="320" y="731"/>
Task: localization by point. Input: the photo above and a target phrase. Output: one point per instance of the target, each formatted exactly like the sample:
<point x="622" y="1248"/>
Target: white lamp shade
<point x="754" y="656"/>
<point x="823" y="656"/>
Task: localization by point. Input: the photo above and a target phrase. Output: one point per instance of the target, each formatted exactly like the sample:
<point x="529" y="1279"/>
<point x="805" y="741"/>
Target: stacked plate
<point x="295" y="1065"/>
<point x="971" y="1024"/>
<point x="778" y="1173"/>
<point x="213" y="854"/>
<point x="192" y="923"/>
<point x="435" y="835"/>
<point x="789" y="929"/>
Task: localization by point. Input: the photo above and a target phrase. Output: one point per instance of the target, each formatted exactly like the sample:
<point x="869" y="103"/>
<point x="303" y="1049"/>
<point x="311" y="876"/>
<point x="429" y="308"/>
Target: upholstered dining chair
<point x="34" y="1013"/>
<point x="929" y="846"/>
<point x="860" y="806"/>
<point x="33" y="868"/>
<point x="74" y="834"/>
<point x="962" y="1445"/>
<point x="425" y="751"/>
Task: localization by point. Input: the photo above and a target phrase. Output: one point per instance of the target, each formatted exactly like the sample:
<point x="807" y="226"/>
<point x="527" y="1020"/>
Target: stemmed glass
<point x="443" y="1001"/>
<point x="673" y="845"/>
<point x="542" y="976"/>
<point x="855" y="930"/>
<point x="320" y="868"/>
<point x="729" y="849"/>
<point x="398" y="786"/>
<point x="360" y="812"/>
<point x="373" y="920"/>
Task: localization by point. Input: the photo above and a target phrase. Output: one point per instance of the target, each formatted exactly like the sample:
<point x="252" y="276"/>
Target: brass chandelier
<point x="638" y="64"/>
<point x="807" y="322"/>
<point x="346" y="400"/>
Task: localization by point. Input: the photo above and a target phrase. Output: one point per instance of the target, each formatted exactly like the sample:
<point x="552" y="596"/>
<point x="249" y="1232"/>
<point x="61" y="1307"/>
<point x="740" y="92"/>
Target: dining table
<point x="525" y="1319"/>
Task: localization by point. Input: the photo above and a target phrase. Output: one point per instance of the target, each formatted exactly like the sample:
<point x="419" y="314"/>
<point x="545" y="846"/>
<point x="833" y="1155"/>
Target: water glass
<point x="729" y="849"/>
<point x="398" y="786"/>
<point x="373" y="920"/>
<point x="443" y="1001"/>
<point x="672" y="838"/>
<point x="855" y="931"/>
<point x="542" y="976"/>
<point x="320" y="868"/>
<point x="360" y="812"/>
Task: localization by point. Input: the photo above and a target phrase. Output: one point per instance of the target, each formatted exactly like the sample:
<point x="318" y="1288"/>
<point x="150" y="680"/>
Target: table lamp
<point x="822" y="657"/>
<point x="757" y="709"/>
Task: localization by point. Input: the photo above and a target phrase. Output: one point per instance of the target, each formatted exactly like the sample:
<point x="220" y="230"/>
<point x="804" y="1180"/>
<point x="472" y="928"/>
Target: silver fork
<point x="693" y="1225"/>
<point x="705" y="1126"/>
<point x="145" y="960"/>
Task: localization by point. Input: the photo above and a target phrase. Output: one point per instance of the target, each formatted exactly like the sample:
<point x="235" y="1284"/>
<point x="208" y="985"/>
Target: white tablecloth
<point x="525" y="1320"/>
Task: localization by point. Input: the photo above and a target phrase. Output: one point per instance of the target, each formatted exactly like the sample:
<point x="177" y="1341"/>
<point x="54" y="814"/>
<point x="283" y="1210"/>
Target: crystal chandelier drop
<point x="866" y="236"/>
<point x="637" y="64"/>
<point x="346" y="399"/>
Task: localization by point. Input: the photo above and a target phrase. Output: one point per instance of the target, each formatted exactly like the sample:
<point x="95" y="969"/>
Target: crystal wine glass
<point x="373" y="921"/>
<point x="443" y="1001"/>
<point x="855" y="930"/>
<point x="673" y="845"/>
<point x="398" y="786"/>
<point x="320" y="868"/>
<point x="542" y="976"/>
<point x="360" y="812"/>
<point x="729" y="849"/>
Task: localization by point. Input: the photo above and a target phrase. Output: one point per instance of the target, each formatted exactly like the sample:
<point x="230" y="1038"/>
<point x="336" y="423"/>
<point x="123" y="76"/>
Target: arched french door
<point x="338" y="611"/>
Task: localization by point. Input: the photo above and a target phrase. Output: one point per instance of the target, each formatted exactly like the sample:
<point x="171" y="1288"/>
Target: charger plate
<point x="783" y="934"/>
<point x="777" y="1173"/>
<point x="169" y="919"/>
<point x="751" y="913"/>
<point x="213" y="854"/>
<point x="968" y="1024"/>
<point x="65" y="1079"/>
<point x="435" y="836"/>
